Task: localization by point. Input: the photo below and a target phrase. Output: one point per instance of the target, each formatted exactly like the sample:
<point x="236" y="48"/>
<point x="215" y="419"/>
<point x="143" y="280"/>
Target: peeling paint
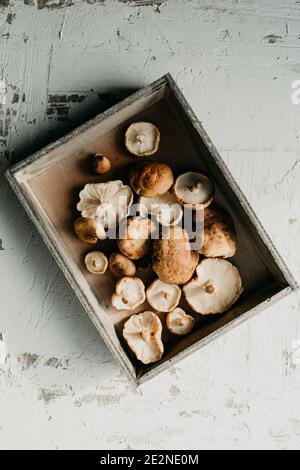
<point x="101" y="400"/>
<point x="50" y="395"/>
<point x="273" y="38"/>
<point x="28" y="360"/>
<point x="2" y="349"/>
<point x="2" y="91"/>
<point x="1" y="245"/>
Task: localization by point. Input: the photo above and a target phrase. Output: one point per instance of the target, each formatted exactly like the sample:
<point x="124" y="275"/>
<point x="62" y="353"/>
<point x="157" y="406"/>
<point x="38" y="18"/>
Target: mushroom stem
<point x="209" y="287"/>
<point x="180" y="322"/>
<point x="141" y="138"/>
<point x="146" y="335"/>
<point x="196" y="188"/>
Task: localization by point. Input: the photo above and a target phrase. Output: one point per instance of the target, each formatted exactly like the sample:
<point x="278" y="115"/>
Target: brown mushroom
<point x="135" y="242"/>
<point x="178" y="322"/>
<point x="96" y="262"/>
<point x="173" y="260"/>
<point x="151" y="179"/>
<point x="142" y="139"/>
<point x="121" y="266"/>
<point x="194" y="190"/>
<point x="220" y="239"/>
<point x="88" y="230"/>
<point x="100" y="164"/>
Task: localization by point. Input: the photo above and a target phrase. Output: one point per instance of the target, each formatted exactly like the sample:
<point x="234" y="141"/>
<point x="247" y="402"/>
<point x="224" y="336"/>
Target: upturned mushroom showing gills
<point x="219" y="239"/>
<point x="217" y="287"/>
<point x="142" y="139"/>
<point x="194" y="190"/>
<point x="173" y="260"/>
<point x="163" y="297"/>
<point x="151" y="179"/>
<point x="179" y="323"/>
<point x="130" y="293"/>
<point x="143" y="335"/>
<point x="135" y="238"/>
<point x="96" y="262"/>
<point x="165" y="208"/>
<point x="107" y="203"/>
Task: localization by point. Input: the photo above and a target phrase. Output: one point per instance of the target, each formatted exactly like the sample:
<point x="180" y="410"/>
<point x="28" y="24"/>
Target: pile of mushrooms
<point x="152" y="242"/>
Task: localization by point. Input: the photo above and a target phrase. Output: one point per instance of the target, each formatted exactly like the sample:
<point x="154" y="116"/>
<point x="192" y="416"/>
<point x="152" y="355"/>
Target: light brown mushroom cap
<point x="163" y="297"/>
<point x="121" y="266"/>
<point x="142" y="139"/>
<point x="100" y="164"/>
<point x="143" y="335"/>
<point x="96" y="262"/>
<point x="219" y="239"/>
<point x="179" y="323"/>
<point x="89" y="230"/>
<point x="194" y="190"/>
<point x="135" y="242"/>
<point x="151" y="179"/>
<point x="173" y="260"/>
<point x="165" y="208"/>
<point x="217" y="287"/>
<point x="130" y="293"/>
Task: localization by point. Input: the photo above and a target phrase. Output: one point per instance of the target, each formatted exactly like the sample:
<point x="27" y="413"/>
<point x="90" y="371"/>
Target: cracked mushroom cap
<point x="130" y="293"/>
<point x="96" y="262"/>
<point x="163" y="297"/>
<point x="151" y="179"/>
<point x="120" y="265"/>
<point x="179" y="323"/>
<point x="194" y="190"/>
<point x="106" y="203"/>
<point x="135" y="242"/>
<point x="143" y="335"/>
<point x="220" y="239"/>
<point x="217" y="287"/>
<point x="142" y="139"/>
<point x="165" y="208"/>
<point x="173" y="260"/>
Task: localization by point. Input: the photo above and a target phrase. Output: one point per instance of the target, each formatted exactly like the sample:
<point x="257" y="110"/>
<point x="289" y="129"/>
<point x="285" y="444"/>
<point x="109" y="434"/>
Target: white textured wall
<point x="60" y="63"/>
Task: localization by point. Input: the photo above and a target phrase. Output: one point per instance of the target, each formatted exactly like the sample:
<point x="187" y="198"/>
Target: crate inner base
<point x="56" y="187"/>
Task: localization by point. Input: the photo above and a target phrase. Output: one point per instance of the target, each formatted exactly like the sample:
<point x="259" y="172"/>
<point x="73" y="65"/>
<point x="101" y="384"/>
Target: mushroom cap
<point x="136" y="239"/>
<point x="142" y="139"/>
<point x="151" y="179"/>
<point x="165" y="208"/>
<point x="89" y="230"/>
<point x="106" y="203"/>
<point x="163" y="297"/>
<point x="179" y="323"/>
<point x="173" y="261"/>
<point x="130" y="293"/>
<point x="220" y="239"/>
<point x="143" y="335"/>
<point x="217" y="287"/>
<point x="96" y="262"/>
<point x="100" y="164"/>
<point x="194" y="190"/>
<point x="121" y="266"/>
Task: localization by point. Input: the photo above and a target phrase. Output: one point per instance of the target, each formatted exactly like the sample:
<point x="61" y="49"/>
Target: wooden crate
<point x="48" y="183"/>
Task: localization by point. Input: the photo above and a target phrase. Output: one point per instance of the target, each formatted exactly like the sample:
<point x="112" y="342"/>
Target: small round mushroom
<point x="121" y="266"/>
<point x="220" y="239"/>
<point x="142" y="139"/>
<point x="88" y="230"/>
<point x="217" y="287"/>
<point x="165" y="208"/>
<point x="135" y="242"/>
<point x="151" y="179"/>
<point x="143" y="335"/>
<point x="163" y="297"/>
<point x="173" y="260"/>
<point x="96" y="262"/>
<point x="100" y="164"/>
<point x="130" y="293"/>
<point x="194" y="190"/>
<point x="179" y="323"/>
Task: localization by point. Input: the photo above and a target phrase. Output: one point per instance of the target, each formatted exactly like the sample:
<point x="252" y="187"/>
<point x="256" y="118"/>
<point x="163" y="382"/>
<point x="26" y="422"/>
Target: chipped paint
<point x="50" y="395"/>
<point x="1" y="245"/>
<point x="99" y="400"/>
<point x="273" y="38"/>
<point x="28" y="360"/>
<point x="2" y="349"/>
<point x="2" y="91"/>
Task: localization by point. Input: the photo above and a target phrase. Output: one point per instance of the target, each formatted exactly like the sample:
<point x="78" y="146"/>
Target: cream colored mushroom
<point x="219" y="239"/>
<point x="96" y="262"/>
<point x="89" y="230"/>
<point x="142" y="139"/>
<point x="194" y="190"/>
<point x="135" y="238"/>
<point x="107" y="203"/>
<point x="179" y="323"/>
<point x="173" y="260"/>
<point x="151" y="179"/>
<point x="143" y="335"/>
<point x="121" y="266"/>
<point x="165" y="208"/>
<point x="217" y="287"/>
<point x="163" y="297"/>
<point x="130" y="293"/>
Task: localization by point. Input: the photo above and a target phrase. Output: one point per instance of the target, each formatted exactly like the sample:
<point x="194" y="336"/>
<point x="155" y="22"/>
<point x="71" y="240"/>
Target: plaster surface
<point x="63" y="61"/>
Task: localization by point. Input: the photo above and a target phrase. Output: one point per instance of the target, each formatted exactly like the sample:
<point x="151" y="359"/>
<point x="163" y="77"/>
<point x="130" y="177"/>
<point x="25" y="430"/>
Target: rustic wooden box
<point x="48" y="183"/>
